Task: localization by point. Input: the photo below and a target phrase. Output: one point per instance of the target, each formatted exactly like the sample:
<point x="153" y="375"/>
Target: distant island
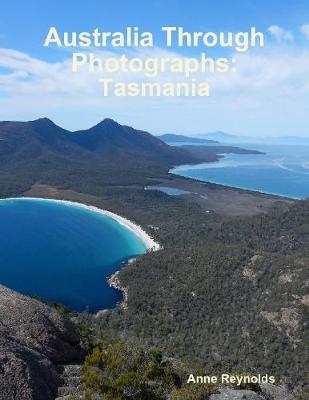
<point x="224" y="138"/>
<point x="263" y="138"/>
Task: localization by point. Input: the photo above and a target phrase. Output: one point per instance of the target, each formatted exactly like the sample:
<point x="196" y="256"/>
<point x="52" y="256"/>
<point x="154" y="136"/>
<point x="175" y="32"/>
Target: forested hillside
<point x="107" y="154"/>
<point x="230" y="295"/>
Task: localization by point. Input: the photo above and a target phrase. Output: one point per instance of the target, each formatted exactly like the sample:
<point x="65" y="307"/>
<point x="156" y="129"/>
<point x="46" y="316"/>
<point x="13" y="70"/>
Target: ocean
<point x="63" y="253"/>
<point x="283" y="170"/>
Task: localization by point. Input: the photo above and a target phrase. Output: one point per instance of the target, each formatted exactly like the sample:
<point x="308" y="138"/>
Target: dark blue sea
<point x="282" y="170"/>
<point x="63" y="253"/>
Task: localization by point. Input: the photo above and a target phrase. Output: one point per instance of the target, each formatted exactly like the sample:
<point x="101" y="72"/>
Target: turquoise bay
<point x="62" y="252"/>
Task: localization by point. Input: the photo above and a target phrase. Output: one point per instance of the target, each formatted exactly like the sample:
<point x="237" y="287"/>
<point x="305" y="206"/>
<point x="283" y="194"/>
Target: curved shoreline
<point x="244" y="189"/>
<point x="113" y="280"/>
<point x="148" y="241"/>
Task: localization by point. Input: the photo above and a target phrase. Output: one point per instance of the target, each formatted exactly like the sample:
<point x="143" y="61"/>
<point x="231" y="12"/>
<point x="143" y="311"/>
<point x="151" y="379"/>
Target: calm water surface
<point x="283" y="170"/>
<point x="63" y="253"/>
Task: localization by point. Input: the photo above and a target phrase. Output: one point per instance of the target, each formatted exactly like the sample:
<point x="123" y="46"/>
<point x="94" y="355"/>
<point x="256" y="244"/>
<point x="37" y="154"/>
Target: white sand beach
<point x="150" y="244"/>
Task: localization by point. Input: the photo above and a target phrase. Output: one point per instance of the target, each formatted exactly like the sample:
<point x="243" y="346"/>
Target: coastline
<point x="178" y="170"/>
<point x="148" y="241"/>
<point x="113" y="281"/>
<point x="233" y="187"/>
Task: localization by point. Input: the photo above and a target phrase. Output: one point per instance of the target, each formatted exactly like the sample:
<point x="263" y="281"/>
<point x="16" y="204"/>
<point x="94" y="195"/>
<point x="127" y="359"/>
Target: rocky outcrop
<point x="231" y="394"/>
<point x="71" y="383"/>
<point x="267" y="392"/>
<point x="34" y="338"/>
<point x="276" y="392"/>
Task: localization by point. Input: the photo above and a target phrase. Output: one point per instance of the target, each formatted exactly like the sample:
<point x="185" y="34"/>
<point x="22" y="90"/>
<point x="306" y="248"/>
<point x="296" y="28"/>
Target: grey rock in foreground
<point x="71" y="383"/>
<point x="230" y="394"/>
<point x="276" y="392"/>
<point x="33" y="339"/>
<point x="268" y="392"/>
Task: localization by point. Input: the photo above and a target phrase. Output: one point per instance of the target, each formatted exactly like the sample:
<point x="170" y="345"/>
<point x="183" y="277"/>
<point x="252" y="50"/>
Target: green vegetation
<point x="226" y="293"/>
<point x="118" y="371"/>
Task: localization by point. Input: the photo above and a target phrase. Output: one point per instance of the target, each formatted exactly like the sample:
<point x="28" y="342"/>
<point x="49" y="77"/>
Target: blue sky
<point x="272" y="101"/>
<point x="23" y="25"/>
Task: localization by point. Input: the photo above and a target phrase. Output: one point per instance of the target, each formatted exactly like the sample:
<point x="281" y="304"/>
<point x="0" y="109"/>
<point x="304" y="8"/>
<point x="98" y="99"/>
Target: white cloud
<point x="305" y="30"/>
<point x="280" y="34"/>
<point x="267" y="94"/>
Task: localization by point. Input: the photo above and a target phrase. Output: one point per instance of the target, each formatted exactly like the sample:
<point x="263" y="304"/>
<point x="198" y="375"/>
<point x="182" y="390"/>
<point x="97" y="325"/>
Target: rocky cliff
<point x="34" y="341"/>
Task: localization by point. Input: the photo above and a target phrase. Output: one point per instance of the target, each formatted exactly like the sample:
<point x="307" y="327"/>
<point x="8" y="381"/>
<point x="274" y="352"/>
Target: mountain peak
<point x="42" y="121"/>
<point x="46" y="126"/>
<point x="107" y="122"/>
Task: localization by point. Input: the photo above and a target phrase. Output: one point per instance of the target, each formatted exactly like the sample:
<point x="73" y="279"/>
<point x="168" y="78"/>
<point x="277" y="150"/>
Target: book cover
<point x="154" y="221"/>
